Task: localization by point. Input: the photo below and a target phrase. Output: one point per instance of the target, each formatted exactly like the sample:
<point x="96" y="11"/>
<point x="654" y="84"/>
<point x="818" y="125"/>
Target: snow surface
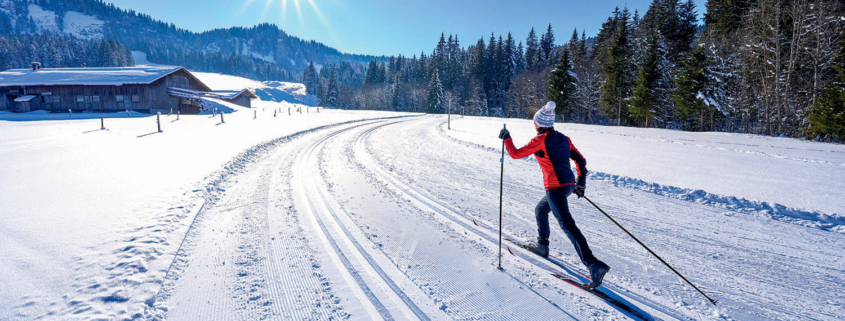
<point x="45" y="20"/>
<point x="75" y="23"/>
<point x="91" y="218"/>
<point x="377" y="215"/>
<point x="83" y="26"/>
<point x="140" y="58"/>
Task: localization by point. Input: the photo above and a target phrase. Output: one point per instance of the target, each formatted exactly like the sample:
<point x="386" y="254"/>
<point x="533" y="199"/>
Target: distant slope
<point x="277" y="91"/>
<point x="268" y="52"/>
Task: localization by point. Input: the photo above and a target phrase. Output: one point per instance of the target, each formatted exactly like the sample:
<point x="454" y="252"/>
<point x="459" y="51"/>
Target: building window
<point x="118" y="98"/>
<point x="136" y="99"/>
<point x="95" y="99"/>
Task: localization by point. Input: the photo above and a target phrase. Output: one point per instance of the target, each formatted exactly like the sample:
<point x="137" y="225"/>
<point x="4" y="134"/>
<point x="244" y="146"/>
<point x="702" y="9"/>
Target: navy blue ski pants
<point x="555" y="202"/>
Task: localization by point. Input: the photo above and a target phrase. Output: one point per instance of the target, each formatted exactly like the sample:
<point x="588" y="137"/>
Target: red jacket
<point x="553" y="151"/>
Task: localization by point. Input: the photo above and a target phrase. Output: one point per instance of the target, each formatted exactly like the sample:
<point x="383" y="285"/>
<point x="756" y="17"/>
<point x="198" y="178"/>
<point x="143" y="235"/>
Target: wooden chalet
<point x="143" y="89"/>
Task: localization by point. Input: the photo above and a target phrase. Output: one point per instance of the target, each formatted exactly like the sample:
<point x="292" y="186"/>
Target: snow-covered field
<point x="373" y="215"/>
<point x="88" y="213"/>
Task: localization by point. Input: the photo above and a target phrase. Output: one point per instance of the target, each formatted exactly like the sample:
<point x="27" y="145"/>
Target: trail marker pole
<point x="501" y="187"/>
<point x="177" y="114"/>
<point x="449" y="112"/>
<point x="158" y="121"/>
<point x="102" y="124"/>
<point x="221" y="119"/>
<point x="254" y="114"/>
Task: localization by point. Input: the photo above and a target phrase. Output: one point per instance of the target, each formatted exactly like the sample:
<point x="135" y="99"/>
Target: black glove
<point x="579" y="190"/>
<point x="504" y="134"/>
<point x="580" y="186"/>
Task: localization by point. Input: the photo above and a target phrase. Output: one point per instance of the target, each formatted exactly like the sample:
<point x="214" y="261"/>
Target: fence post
<point x="288" y="111"/>
<point x="177" y="114"/>
<point x="254" y="114"/>
<point x="221" y="119"/>
<point x="158" y="121"/>
<point x="274" y="113"/>
<point x="102" y="124"/>
<point x="70" y="112"/>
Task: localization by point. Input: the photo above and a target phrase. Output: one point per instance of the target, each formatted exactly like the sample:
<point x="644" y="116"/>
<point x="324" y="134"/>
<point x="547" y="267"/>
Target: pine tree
<point x="332" y="90"/>
<point x="642" y="103"/>
<point x="372" y="76"/>
<point x="616" y="68"/>
<point x="562" y="85"/>
<point x="519" y="60"/>
<point x="827" y="117"/>
<point x="435" y="100"/>
<point x="309" y="78"/>
<point x="547" y="46"/>
<point x="691" y="79"/>
<point x="531" y="50"/>
<point x="725" y="16"/>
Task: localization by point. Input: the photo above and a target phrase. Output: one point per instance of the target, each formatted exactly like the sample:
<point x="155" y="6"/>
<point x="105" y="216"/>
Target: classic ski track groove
<point x="350" y="238"/>
<point x="491" y="234"/>
<point x="286" y="251"/>
<point x="251" y="163"/>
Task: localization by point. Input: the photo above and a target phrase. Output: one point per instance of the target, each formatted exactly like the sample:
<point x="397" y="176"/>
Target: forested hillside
<point x="773" y="67"/>
<point x="262" y="52"/>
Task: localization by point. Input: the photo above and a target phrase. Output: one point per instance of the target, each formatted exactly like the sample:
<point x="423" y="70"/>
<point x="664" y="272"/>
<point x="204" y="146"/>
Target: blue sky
<point x="384" y="27"/>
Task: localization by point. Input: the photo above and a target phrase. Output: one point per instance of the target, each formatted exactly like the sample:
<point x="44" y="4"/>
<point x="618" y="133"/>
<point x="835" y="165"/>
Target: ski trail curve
<point x="331" y="215"/>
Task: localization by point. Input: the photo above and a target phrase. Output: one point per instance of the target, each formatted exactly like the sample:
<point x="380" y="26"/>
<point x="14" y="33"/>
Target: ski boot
<point x="597" y="272"/>
<point x="541" y="248"/>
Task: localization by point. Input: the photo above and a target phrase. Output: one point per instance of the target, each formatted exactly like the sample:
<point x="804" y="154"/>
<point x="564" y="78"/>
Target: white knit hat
<point x="545" y="117"/>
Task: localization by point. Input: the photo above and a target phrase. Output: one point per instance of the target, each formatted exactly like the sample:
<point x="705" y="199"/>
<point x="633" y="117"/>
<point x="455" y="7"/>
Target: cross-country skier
<point x="553" y="151"/>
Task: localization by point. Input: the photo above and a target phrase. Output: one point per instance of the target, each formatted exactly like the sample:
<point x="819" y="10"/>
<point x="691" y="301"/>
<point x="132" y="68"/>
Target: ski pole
<point x="650" y="251"/>
<point x="501" y="184"/>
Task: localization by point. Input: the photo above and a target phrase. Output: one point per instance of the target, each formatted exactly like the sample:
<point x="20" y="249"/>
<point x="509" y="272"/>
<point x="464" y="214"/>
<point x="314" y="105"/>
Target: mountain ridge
<point x="166" y="43"/>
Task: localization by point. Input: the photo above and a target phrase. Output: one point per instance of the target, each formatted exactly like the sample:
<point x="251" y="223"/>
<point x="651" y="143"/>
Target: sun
<point x="269" y="7"/>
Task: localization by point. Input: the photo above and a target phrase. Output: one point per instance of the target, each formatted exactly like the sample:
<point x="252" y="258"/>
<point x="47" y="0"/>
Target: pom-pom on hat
<point x="545" y="117"/>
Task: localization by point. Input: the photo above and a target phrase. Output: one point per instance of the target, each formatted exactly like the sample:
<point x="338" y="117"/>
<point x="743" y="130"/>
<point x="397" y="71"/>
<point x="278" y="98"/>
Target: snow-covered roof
<point x="87" y="76"/>
<point x="24" y="98"/>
